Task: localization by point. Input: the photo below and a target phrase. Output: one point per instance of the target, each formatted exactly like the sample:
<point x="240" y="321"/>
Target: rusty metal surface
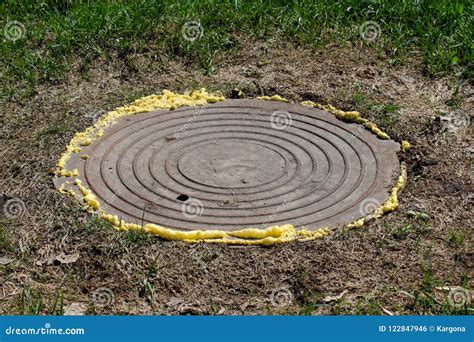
<point x="238" y="164"/>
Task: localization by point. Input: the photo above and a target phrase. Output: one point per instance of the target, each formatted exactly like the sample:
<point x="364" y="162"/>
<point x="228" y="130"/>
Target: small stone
<point x="76" y="309"/>
<point x="174" y="301"/>
<point x="67" y="259"/>
<point x="5" y="260"/>
<point x="424" y="216"/>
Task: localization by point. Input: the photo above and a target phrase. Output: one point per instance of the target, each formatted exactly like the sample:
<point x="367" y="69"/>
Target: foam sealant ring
<point x="248" y="236"/>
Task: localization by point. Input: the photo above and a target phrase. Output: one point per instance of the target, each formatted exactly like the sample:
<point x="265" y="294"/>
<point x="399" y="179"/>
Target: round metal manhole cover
<point x="238" y="164"/>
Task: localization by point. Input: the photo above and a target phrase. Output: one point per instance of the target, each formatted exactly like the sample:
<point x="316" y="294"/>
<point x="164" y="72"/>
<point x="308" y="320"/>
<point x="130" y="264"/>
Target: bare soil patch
<point x="393" y="265"/>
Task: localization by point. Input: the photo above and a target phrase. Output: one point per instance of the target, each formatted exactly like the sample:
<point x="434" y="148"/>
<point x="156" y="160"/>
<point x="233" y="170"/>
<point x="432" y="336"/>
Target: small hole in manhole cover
<point x="182" y="197"/>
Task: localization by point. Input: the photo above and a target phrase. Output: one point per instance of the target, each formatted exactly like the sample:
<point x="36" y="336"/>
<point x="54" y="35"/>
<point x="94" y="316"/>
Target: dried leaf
<point x="76" y="309"/>
<point x="5" y="260"/>
<point x="67" y="259"/>
<point x="328" y="299"/>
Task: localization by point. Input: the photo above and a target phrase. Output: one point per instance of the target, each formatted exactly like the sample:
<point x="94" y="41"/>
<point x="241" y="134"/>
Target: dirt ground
<point x="54" y="255"/>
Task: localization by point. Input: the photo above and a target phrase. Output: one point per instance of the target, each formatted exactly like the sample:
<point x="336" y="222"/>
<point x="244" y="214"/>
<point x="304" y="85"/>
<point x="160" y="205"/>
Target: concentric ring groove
<point x="135" y="153"/>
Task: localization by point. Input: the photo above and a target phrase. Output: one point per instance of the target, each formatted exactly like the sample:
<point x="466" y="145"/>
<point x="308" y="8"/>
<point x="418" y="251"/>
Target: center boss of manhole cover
<point x="238" y="164"/>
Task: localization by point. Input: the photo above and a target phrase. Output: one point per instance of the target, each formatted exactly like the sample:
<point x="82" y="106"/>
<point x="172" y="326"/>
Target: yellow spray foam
<point x="352" y="116"/>
<point x="272" y="98"/>
<point x="248" y="236"/>
<point x="405" y="145"/>
<point x="389" y="205"/>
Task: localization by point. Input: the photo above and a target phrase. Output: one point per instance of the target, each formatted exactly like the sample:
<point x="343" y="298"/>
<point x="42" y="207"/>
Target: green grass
<point x="54" y="130"/>
<point x="410" y="230"/>
<point x="32" y="303"/>
<point x="386" y="113"/>
<point x="93" y="225"/>
<point x="5" y="243"/>
<point x="56" y="32"/>
<point x="137" y="238"/>
<point x="456" y="237"/>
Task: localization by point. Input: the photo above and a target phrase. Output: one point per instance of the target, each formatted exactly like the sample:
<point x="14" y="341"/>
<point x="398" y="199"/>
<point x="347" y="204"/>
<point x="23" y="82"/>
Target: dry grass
<point x="393" y="265"/>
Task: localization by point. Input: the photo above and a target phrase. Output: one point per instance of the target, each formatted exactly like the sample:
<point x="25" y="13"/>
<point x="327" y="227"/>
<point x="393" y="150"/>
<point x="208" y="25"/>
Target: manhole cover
<point x="237" y="164"/>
